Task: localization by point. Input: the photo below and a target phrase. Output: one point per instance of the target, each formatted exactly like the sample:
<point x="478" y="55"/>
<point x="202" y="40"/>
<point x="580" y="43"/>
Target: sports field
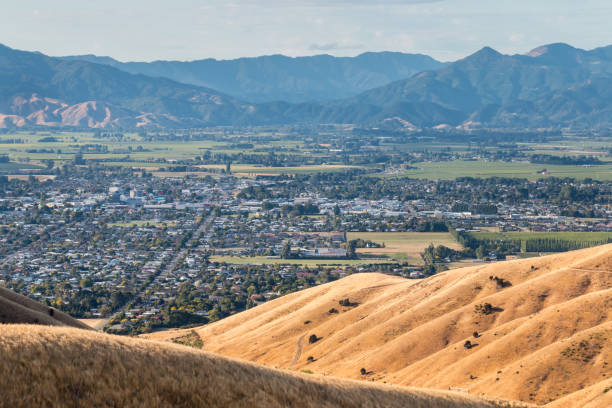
<point x="403" y="245"/>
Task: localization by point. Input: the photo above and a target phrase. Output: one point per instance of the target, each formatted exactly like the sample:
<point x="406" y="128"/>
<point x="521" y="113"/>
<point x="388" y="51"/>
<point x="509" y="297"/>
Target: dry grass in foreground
<point x="65" y="367"/>
<point x="16" y="308"/>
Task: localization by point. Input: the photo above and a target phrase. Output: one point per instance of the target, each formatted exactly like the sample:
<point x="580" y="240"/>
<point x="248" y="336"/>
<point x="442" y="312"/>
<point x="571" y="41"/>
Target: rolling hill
<point x="65" y="367"/>
<point x="16" y="308"/>
<point x="537" y="330"/>
<point x="281" y="78"/>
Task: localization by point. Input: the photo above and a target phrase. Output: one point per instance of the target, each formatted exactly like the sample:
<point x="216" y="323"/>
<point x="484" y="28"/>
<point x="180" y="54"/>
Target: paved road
<point x="170" y="266"/>
<point x="183" y="252"/>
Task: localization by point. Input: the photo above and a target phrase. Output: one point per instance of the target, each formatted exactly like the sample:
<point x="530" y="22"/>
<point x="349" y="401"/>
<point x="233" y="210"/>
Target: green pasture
<point x="483" y="169"/>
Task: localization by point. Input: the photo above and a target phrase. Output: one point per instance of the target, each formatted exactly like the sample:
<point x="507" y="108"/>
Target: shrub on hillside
<point x="313" y="339"/>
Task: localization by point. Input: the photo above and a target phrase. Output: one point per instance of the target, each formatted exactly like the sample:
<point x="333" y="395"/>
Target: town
<point x="141" y="252"/>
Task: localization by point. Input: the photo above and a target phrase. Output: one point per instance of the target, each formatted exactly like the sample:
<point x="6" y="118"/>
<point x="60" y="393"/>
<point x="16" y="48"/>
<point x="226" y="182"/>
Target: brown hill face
<point x="61" y="367"/>
<point x="15" y="308"/>
<point x="42" y="111"/>
<point x="536" y="330"/>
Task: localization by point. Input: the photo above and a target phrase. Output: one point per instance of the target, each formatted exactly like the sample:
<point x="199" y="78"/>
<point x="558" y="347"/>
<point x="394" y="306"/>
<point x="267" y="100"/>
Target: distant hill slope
<point x="280" y="78"/>
<point x="16" y="308"/>
<point x="555" y="86"/>
<point x="64" y="367"/>
<point x="551" y="86"/>
<point x="539" y="329"/>
<point x="39" y="90"/>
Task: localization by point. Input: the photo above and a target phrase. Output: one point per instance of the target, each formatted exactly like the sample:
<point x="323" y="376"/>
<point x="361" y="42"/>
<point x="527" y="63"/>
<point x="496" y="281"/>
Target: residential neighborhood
<point x="146" y="252"/>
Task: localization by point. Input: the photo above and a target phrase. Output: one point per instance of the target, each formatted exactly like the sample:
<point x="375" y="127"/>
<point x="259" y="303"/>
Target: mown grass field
<point x="403" y="245"/>
<point x="461" y="168"/>
<point x="18" y="166"/>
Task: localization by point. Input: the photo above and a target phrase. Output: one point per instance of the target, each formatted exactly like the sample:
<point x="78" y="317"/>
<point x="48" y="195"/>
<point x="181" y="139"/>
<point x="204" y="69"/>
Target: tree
<point x="78" y="159"/>
<point x="480" y="252"/>
<point x="286" y="251"/>
<point x="86" y="283"/>
<point x="350" y="249"/>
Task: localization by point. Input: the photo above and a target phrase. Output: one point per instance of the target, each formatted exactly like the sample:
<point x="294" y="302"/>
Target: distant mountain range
<point x="554" y="86"/>
<point x="39" y="90"/>
<point x="280" y="78"/>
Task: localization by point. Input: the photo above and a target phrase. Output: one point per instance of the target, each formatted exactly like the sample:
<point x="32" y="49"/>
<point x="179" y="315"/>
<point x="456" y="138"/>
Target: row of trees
<point x="559" y="245"/>
<point x="483" y="247"/>
<point x="565" y="160"/>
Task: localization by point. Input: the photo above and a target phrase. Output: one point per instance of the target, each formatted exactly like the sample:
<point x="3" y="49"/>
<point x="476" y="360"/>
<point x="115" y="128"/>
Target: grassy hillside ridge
<point x="592" y="397"/>
<point x="16" y="308"/>
<point x="44" y="366"/>
<point x="543" y="328"/>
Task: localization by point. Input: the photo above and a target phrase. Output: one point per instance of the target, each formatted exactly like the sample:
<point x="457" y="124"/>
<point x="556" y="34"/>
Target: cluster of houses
<point x="72" y="242"/>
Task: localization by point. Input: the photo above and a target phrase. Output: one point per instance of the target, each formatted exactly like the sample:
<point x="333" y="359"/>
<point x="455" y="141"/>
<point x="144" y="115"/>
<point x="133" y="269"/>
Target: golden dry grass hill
<point x="537" y="330"/>
<point x="66" y="367"/>
<point x="15" y="308"/>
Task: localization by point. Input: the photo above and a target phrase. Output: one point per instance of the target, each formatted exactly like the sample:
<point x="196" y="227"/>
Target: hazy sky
<point x="189" y="29"/>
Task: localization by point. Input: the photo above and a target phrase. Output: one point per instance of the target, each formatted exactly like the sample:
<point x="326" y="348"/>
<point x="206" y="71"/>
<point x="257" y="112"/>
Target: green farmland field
<point x="461" y="168"/>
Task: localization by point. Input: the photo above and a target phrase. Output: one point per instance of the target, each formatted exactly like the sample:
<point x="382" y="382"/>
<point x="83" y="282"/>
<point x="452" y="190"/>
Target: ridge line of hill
<point x="469" y="328"/>
<point x="62" y="367"/>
